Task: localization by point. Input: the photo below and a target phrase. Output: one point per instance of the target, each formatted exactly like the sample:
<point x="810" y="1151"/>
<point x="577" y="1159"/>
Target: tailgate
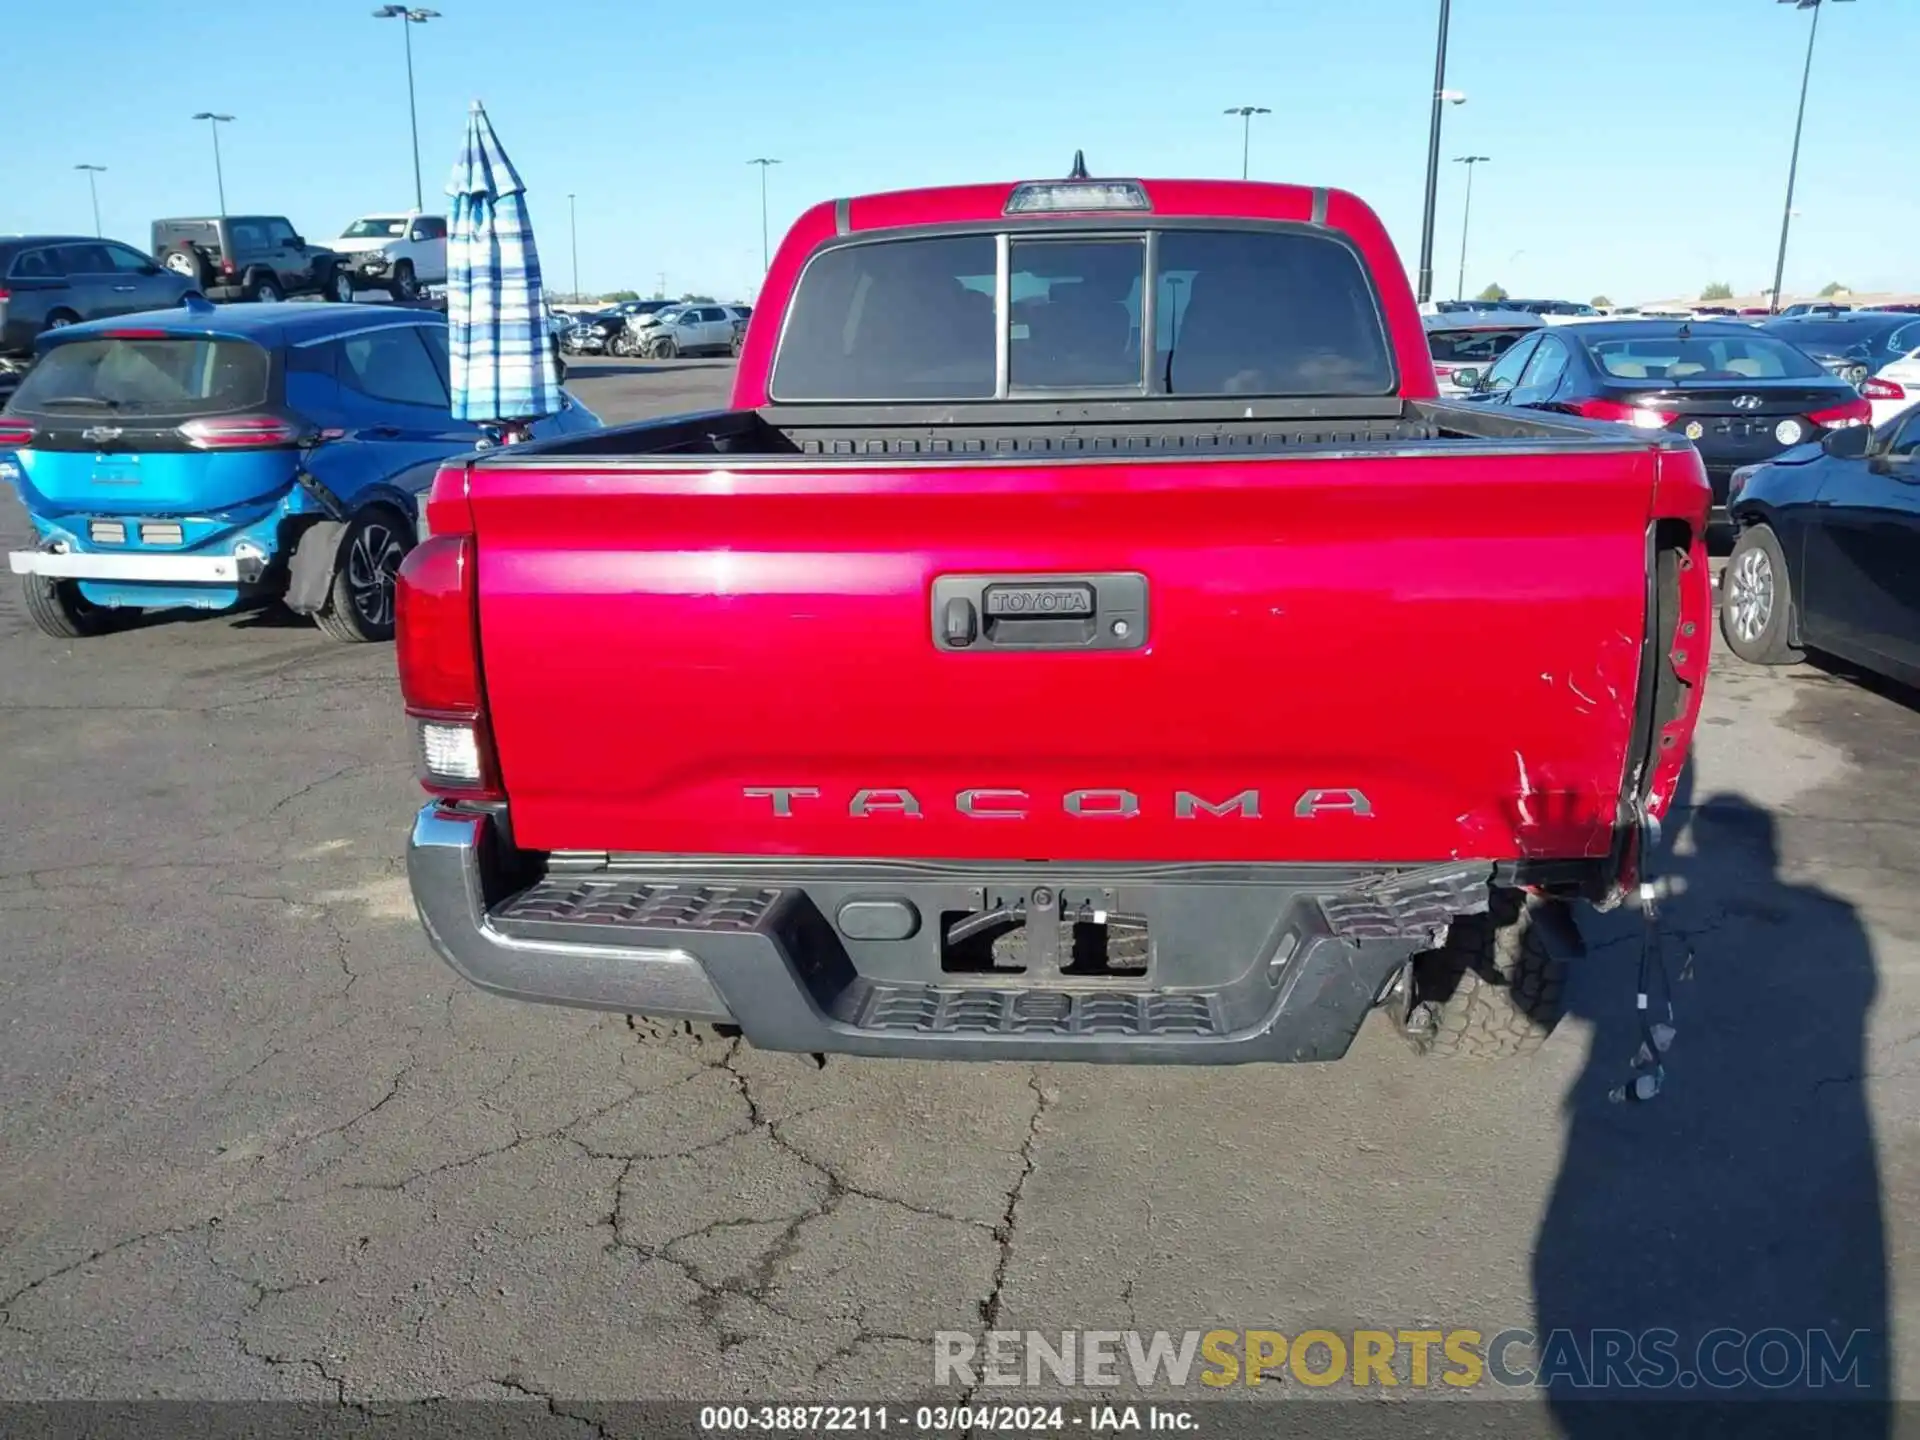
<point x="1405" y="658"/>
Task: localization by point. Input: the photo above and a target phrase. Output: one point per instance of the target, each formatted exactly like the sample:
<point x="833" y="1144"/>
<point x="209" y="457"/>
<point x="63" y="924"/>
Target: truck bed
<point x="1103" y="431"/>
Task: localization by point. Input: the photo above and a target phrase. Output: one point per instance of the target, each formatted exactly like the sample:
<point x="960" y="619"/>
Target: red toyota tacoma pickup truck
<point x="1087" y="637"/>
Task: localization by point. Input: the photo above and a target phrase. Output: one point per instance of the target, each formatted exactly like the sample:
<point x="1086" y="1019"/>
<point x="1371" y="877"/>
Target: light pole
<point x="766" y="255"/>
<point x="1460" y="287"/>
<point x="1793" y="167"/>
<point x="407" y="18"/>
<point x="93" y="170"/>
<point x="214" y="122"/>
<point x="1441" y="97"/>
<point x="573" y="225"/>
<point x="1246" y="114"/>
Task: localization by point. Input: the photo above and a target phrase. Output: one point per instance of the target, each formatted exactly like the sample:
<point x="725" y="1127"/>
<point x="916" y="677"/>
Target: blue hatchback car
<point x="210" y="458"/>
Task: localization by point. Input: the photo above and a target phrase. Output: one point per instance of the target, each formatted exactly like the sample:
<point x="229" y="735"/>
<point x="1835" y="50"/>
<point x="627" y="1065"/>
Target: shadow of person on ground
<point x="1744" y="1200"/>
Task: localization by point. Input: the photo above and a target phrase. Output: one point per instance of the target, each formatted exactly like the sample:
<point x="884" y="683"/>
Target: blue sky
<point x="1640" y="146"/>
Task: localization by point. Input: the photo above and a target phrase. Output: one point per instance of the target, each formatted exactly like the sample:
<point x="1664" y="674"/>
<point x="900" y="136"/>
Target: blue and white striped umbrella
<point x="503" y="364"/>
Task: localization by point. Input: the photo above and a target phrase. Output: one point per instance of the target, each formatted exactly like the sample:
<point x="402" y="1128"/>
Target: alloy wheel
<point x="1750" y="595"/>
<point x="372" y="563"/>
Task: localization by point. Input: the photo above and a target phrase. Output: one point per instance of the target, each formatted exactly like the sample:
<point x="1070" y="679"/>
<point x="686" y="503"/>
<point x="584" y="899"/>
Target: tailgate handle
<point x="1040" y="612"/>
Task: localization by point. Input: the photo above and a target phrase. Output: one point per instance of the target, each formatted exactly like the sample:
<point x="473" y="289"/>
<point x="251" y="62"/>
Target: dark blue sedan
<point x="209" y="458"/>
<point x="1825" y="555"/>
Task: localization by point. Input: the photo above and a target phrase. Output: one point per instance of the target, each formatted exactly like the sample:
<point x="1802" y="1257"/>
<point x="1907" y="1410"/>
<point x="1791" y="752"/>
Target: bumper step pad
<point x="625" y="904"/>
<point x="945" y="1009"/>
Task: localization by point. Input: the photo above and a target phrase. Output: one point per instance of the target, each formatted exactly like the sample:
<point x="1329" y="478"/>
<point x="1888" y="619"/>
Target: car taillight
<point x="1878" y="387"/>
<point x="240" y="432"/>
<point x="1641" y="417"/>
<point x="437" y="648"/>
<point x="5" y="295"/>
<point x="226" y="267"/>
<point x="14" y="435"/>
<point x="1857" y="411"/>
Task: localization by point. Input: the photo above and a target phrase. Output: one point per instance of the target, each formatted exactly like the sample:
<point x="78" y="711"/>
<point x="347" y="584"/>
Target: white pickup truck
<point x="400" y="252"/>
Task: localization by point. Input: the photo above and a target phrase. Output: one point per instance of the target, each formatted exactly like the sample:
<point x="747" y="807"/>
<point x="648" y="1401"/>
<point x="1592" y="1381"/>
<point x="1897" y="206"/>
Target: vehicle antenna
<point x="1079" y="171"/>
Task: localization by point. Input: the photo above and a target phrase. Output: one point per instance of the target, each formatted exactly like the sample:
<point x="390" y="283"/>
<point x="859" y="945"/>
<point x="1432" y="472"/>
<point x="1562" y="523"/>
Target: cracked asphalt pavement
<point x="258" y="1142"/>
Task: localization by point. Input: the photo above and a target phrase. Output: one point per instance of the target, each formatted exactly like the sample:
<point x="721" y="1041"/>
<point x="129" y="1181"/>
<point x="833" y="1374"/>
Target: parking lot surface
<point x="257" y="1141"/>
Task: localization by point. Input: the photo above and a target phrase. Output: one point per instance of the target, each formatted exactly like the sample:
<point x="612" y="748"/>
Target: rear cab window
<point x="1177" y="311"/>
<point x="147" y="377"/>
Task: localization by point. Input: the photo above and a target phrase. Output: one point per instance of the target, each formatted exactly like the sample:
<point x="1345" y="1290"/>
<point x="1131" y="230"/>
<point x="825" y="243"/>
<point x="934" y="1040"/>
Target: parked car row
<point x="1856" y="345"/>
<point x="1740" y="394"/>
<point x="50" y="281"/>
<point x="1810" y="433"/>
<point x="209" y="458"/>
<point x="657" y="329"/>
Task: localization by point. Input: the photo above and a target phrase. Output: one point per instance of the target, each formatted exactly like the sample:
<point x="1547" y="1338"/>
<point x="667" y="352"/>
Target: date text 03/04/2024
<point x="941" y="1419"/>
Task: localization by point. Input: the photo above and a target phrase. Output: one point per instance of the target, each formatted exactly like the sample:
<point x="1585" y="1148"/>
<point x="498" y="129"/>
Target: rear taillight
<point x="1878" y="387"/>
<point x="437" y="647"/>
<point x="226" y="267"/>
<point x="1641" y="417"/>
<point x="15" y="435"/>
<point x="5" y="295"/>
<point x="240" y="432"/>
<point x="1857" y="411"/>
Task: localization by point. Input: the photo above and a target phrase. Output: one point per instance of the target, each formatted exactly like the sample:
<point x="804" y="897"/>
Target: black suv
<point x="47" y="281"/>
<point x="250" y="257"/>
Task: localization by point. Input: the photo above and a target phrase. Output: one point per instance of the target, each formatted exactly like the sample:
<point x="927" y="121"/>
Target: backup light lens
<point x="1054" y="196"/>
<point x="449" y="753"/>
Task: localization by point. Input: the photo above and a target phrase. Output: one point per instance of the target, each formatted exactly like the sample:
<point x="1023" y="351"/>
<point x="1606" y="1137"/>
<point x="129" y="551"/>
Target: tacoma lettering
<point x="1093" y="803"/>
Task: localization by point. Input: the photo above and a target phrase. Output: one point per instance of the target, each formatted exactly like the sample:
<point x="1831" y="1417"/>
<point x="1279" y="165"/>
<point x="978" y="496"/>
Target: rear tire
<point x="1756" y="601"/>
<point x="264" y="290"/>
<point x="1493" y="991"/>
<point x="60" y="319"/>
<point x="359" y="607"/>
<point x="60" y="610"/>
<point x="184" y="260"/>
